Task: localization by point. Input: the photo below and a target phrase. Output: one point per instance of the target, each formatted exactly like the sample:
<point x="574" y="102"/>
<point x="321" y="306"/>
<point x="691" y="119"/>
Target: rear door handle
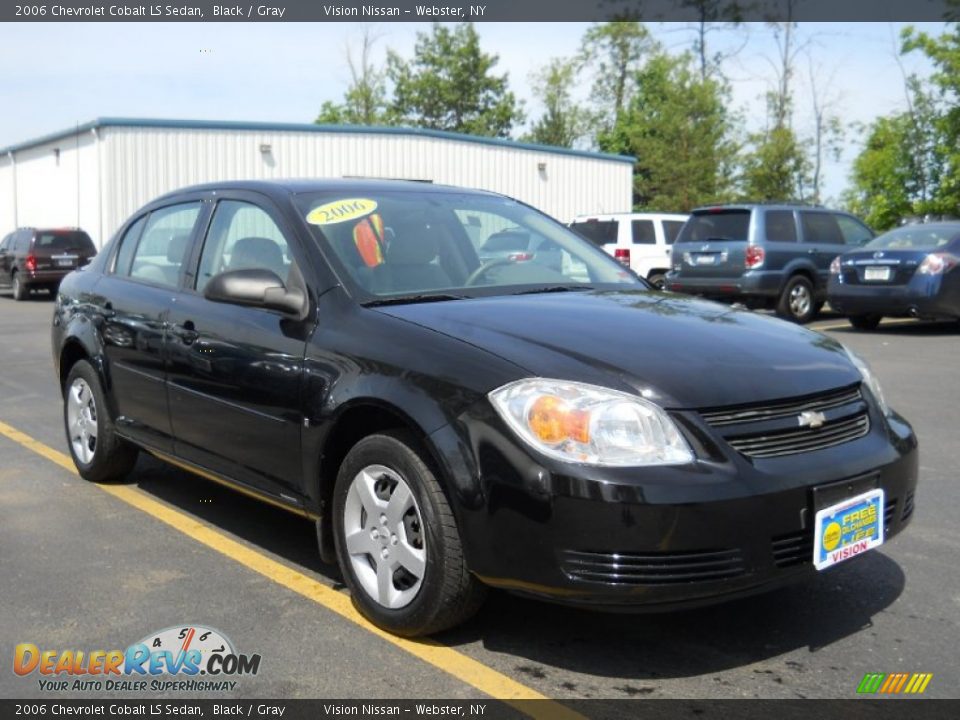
<point x="186" y="332"/>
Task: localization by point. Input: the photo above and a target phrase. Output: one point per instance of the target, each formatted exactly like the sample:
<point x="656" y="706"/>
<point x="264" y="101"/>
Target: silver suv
<point x="763" y="255"/>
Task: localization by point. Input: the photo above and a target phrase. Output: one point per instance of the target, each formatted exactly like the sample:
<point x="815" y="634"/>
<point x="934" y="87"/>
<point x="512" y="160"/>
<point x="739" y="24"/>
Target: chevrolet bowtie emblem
<point x="811" y="419"/>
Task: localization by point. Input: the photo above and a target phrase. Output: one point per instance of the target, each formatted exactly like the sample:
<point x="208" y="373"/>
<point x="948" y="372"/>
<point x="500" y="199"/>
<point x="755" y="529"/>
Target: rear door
<point x="235" y="372"/>
<point x="646" y="252"/>
<point x="62" y="250"/>
<point x="780" y="239"/>
<point x="712" y="243"/>
<point x="822" y="240"/>
<point x="134" y="299"/>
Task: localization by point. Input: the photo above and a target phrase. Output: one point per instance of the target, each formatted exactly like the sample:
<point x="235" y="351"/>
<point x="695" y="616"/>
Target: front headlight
<point x="590" y="425"/>
<point x="869" y="379"/>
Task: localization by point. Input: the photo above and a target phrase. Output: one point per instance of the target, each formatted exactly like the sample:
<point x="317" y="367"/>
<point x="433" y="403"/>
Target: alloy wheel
<point x="800" y="300"/>
<point x="82" y="421"/>
<point x="384" y="536"/>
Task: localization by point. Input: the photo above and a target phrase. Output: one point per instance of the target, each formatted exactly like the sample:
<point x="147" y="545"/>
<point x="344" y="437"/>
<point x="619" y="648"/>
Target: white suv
<point x="640" y="240"/>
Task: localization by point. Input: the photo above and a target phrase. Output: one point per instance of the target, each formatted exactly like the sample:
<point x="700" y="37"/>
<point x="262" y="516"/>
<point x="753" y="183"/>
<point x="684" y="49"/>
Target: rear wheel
<point x="20" y="290"/>
<point x="397" y="541"/>
<point x="98" y="452"/>
<point x="796" y="301"/>
<point x="865" y="322"/>
<point x="658" y="280"/>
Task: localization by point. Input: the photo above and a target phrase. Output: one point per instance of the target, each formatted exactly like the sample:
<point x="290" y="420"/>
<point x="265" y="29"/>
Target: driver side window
<point x="243" y="236"/>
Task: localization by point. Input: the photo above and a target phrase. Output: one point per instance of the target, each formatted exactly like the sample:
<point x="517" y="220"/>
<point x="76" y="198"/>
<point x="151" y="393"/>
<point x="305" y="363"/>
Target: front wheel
<point x="796" y="301"/>
<point x="397" y="541"/>
<point x="98" y="452"/>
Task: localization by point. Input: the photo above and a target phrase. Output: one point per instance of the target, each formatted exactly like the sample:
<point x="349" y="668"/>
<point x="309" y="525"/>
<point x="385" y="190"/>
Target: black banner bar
<point x="478" y="11"/>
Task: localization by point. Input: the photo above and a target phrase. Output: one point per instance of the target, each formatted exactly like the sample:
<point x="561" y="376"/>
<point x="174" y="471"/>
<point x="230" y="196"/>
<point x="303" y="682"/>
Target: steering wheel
<point x="482" y="270"/>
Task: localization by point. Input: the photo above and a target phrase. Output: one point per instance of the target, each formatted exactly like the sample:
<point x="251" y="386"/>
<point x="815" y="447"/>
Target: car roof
<point x="764" y="205"/>
<point x="948" y="225"/>
<point x="296" y="186"/>
<point x="632" y="215"/>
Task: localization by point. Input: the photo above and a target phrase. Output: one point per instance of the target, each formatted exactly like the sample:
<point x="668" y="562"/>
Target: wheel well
<point x="351" y="427"/>
<point x="805" y="273"/>
<point x="71" y="353"/>
<point x="657" y="271"/>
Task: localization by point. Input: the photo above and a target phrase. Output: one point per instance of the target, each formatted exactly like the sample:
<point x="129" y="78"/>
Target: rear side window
<point x="671" y="228"/>
<point x="781" y="227"/>
<point x="63" y="241"/>
<point x="854" y="232"/>
<point x="121" y="266"/>
<point x="163" y="246"/>
<point x="599" y="232"/>
<point x="22" y="242"/>
<point x="714" y="225"/>
<point x="643" y="232"/>
<point x="821" y="227"/>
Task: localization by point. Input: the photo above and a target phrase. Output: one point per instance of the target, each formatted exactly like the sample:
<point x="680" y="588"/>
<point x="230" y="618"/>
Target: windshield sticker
<point x="340" y="211"/>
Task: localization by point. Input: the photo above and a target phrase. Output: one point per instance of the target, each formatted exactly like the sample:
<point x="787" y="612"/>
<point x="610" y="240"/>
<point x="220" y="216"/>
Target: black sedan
<point x="907" y="272"/>
<point x="553" y="428"/>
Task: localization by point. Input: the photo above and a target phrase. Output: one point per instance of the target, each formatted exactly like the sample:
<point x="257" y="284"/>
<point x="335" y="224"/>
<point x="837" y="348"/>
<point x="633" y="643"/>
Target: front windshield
<point x="434" y="244"/>
<point x="915" y="237"/>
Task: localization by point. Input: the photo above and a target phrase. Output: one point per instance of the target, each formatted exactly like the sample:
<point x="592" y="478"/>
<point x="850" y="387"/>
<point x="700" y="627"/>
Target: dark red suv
<point x="34" y="258"/>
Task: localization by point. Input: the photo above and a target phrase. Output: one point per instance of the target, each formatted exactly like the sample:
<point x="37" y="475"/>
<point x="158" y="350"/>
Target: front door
<point x="234" y="371"/>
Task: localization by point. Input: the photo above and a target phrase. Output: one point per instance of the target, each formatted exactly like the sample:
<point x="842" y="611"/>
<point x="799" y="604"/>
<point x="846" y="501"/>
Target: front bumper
<point x="668" y="537"/>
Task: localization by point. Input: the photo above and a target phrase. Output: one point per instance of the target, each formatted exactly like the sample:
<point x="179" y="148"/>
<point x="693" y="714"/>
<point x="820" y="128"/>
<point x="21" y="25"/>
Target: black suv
<point x="40" y="258"/>
<point x="763" y="255"/>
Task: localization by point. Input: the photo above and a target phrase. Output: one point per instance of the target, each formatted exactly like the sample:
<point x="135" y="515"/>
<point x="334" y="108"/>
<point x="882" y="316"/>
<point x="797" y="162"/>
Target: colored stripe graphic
<point x="894" y="683"/>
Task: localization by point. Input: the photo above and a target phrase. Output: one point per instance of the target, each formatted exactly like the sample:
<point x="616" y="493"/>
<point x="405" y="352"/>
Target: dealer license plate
<point x="876" y="273"/>
<point x="66" y="260"/>
<point x="708" y="259"/>
<point x="848" y="528"/>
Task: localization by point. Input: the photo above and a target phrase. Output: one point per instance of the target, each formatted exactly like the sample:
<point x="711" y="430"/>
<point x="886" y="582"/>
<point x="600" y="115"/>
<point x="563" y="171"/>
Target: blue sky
<point x="55" y="75"/>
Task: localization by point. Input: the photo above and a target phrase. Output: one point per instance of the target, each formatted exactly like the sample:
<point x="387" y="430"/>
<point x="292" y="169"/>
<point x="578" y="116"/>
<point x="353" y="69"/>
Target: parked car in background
<point x="639" y="240"/>
<point x="763" y="255"/>
<point x="911" y="271"/>
<point x="32" y="258"/>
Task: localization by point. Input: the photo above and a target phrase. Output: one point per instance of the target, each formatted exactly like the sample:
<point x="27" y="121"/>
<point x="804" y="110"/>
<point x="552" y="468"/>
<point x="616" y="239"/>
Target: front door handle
<point x="186" y="332"/>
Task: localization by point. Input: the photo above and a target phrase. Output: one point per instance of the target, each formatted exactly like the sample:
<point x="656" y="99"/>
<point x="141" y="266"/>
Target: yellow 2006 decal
<point x="340" y="211"/>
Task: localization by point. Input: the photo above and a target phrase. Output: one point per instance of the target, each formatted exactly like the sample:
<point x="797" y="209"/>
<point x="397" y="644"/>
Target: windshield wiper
<point x="553" y="289"/>
<point x="405" y="299"/>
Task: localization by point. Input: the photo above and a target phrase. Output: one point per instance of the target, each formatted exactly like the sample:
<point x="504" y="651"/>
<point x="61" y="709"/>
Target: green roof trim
<point x="307" y="127"/>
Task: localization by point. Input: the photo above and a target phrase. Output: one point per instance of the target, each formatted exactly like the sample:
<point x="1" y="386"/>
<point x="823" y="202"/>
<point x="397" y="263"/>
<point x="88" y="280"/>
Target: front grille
<point x="907" y="508"/>
<point x="792" y="442"/>
<point x="658" y="568"/>
<point x="780" y="409"/>
<point x="773" y="429"/>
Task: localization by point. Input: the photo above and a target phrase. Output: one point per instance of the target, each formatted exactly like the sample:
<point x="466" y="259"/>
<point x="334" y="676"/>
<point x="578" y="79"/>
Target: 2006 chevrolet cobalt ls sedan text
<point x="544" y="422"/>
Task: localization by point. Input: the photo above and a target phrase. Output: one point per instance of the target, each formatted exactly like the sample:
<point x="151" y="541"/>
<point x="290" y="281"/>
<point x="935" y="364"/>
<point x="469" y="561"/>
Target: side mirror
<point x="864" y="241"/>
<point x="256" y="288"/>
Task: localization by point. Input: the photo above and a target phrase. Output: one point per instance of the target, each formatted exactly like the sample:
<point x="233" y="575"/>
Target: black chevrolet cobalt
<point x="542" y="422"/>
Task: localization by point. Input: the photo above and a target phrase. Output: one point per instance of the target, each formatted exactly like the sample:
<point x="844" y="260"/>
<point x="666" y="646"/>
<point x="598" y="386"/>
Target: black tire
<point x="797" y="302"/>
<point x="112" y="457"/>
<point x="19" y="290"/>
<point x="658" y="280"/>
<point x="448" y="593"/>
<point x="865" y="322"/>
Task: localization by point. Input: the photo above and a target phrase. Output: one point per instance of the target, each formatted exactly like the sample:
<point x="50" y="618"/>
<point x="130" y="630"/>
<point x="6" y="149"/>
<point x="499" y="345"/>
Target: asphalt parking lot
<point x="87" y="567"/>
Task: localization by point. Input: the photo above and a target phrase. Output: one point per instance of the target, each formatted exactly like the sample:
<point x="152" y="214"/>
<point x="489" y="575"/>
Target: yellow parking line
<point x="846" y="324"/>
<point x="460" y="666"/>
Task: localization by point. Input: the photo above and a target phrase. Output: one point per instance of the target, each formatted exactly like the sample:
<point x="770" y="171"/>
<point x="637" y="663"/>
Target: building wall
<point x="142" y="163"/>
<point x="52" y="189"/>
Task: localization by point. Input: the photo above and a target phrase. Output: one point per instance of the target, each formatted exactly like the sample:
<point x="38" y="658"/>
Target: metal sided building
<point x="96" y="174"/>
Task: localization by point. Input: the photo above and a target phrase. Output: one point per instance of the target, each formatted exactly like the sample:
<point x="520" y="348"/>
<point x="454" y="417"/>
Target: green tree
<point x="563" y="121"/>
<point x="449" y="85"/>
<point x="678" y="127"/>
<point x="365" y="101"/>
<point x="615" y="51"/>
<point x="776" y="168"/>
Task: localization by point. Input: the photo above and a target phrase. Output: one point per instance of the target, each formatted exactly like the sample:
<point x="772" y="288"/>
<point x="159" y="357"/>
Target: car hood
<point x="680" y="351"/>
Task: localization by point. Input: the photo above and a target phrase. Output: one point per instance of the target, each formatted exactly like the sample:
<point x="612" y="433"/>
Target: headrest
<point x="414" y="244"/>
<point x="177" y="248"/>
<point x="257" y="253"/>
